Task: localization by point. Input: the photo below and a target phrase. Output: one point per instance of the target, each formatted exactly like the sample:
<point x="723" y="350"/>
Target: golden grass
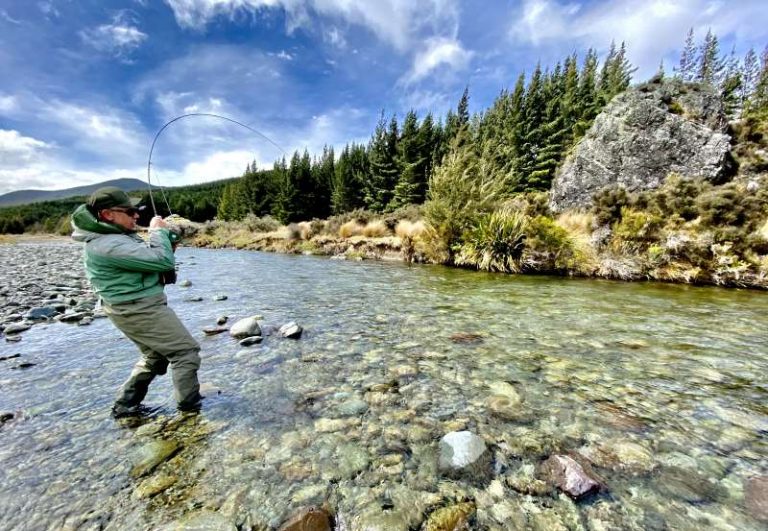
<point x="764" y="230"/>
<point x="305" y="230"/>
<point x="409" y="229"/>
<point x="375" y="229"/>
<point x="350" y="228"/>
<point x="576" y="223"/>
<point x="7" y="238"/>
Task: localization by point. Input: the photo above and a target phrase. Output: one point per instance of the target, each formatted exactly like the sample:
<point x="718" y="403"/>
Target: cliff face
<point x="641" y="137"/>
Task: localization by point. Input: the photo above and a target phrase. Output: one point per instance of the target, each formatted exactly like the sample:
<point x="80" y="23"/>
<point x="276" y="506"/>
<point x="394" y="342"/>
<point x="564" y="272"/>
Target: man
<point x="127" y="274"/>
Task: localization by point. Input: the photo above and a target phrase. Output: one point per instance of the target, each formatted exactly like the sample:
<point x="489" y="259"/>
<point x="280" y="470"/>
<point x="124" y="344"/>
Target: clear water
<point x="663" y="386"/>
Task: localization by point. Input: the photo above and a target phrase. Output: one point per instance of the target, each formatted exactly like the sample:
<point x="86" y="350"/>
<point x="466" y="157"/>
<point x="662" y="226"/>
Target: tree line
<point x="518" y="142"/>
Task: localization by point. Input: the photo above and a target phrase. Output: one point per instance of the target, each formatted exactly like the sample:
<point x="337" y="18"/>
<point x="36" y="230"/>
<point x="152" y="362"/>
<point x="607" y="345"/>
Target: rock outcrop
<point x="641" y="137"/>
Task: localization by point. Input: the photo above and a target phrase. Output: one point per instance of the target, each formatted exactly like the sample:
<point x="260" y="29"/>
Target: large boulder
<point x="642" y="136"/>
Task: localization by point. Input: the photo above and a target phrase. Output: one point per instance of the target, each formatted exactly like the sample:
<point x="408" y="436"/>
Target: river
<point x="662" y="388"/>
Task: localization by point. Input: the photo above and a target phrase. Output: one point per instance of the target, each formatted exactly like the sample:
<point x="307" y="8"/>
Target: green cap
<point x="110" y="197"/>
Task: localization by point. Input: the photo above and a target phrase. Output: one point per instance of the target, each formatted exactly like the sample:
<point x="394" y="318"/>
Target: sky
<point x="86" y="84"/>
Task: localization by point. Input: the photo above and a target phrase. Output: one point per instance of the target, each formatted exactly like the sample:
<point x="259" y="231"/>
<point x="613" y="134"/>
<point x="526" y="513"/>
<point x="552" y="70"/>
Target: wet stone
<point x="308" y="519"/>
<point x="71" y="317"/>
<point x="214" y="330"/>
<point x="16" y="328"/>
<point x="243" y="328"/>
<point x="185" y="283"/>
<point x="154" y="486"/>
<point x="151" y="455"/>
<point x="450" y="518"/>
<point x="756" y="497"/>
<point x="290" y="330"/>
<point x="41" y="313"/>
<point x="218" y="298"/>
<point x="193" y="299"/>
<point x="464" y="453"/>
<point x="251" y="340"/>
<point x="569" y="476"/>
<point x="222" y="319"/>
<point x="688" y="485"/>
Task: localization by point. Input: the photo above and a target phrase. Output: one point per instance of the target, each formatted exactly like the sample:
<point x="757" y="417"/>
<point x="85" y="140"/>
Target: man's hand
<point x="158" y="223"/>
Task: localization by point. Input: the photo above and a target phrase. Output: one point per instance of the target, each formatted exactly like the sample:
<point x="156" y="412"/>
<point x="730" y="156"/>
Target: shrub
<point x="350" y="228"/>
<point x="294" y="231"/>
<point x="721" y="206"/>
<point x="675" y="198"/>
<point x="549" y="245"/>
<point x="636" y="228"/>
<point x="334" y="223"/>
<point x="408" y="229"/>
<point x="607" y="204"/>
<point x="495" y="243"/>
<point x="260" y="224"/>
<point x="375" y="229"/>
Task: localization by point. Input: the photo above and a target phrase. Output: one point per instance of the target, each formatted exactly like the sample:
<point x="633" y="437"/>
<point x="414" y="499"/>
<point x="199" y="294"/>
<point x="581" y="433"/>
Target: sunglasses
<point x="129" y="211"/>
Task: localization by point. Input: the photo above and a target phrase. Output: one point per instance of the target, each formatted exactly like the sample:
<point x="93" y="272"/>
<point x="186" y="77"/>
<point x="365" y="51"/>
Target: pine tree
<point x="749" y="76"/>
<point x="686" y="71"/>
<point x="710" y="66"/>
<point x="383" y="167"/>
<point x="462" y="110"/>
<point x="410" y="163"/>
<point x="285" y="193"/>
<point x="730" y="86"/>
<point x="758" y="105"/>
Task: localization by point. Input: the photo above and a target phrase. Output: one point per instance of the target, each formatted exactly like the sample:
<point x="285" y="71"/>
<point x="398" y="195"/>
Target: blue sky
<point x="85" y="84"/>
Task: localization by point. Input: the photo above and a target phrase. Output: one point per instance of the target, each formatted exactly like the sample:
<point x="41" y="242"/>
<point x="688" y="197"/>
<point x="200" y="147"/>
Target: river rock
<point x="202" y="520"/>
<point x="308" y="519"/>
<point x="12" y="356"/>
<point x="222" y="320"/>
<point x="154" y="485"/>
<point x="756" y="497"/>
<point x="290" y="330"/>
<point x="569" y="476"/>
<point x="71" y="317"/>
<point x="642" y="136"/>
<point x="193" y="299"/>
<point x="214" y="330"/>
<point x="251" y="340"/>
<point x="352" y="407"/>
<point x="185" y="283"/>
<point x="452" y="518"/>
<point x="218" y="298"/>
<point x="689" y="485"/>
<point x="247" y="327"/>
<point x="13" y="338"/>
<point x="151" y="455"/>
<point x="463" y="453"/>
<point x="5" y="416"/>
<point x="16" y="328"/>
<point x="621" y="455"/>
<point x="41" y="313"/>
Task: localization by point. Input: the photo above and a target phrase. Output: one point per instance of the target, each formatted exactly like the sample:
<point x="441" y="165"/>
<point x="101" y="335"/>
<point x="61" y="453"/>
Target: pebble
<point x="290" y="330"/>
<point x="250" y="340"/>
<point x="214" y="330"/>
<point x="222" y="320"/>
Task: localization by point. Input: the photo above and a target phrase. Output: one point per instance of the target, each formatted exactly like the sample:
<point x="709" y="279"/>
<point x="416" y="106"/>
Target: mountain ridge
<point x="27" y="196"/>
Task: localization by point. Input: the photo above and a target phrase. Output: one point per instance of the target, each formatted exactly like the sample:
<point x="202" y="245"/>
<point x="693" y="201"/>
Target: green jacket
<point x="120" y="266"/>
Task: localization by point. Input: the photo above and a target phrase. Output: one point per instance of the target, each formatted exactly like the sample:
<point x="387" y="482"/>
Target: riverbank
<point x="586" y="254"/>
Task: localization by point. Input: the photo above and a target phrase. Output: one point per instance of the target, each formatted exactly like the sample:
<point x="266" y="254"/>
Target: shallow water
<point x="661" y="387"/>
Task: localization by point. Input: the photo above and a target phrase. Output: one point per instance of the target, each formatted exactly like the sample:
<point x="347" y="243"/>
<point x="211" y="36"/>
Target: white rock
<point x="245" y="328"/>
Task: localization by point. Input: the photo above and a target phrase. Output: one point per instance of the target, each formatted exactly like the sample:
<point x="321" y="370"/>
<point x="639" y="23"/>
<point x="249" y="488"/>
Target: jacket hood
<point x="87" y="227"/>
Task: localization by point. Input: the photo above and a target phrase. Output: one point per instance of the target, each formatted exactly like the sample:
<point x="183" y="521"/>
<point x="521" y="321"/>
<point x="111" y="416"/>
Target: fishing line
<point x="157" y="135"/>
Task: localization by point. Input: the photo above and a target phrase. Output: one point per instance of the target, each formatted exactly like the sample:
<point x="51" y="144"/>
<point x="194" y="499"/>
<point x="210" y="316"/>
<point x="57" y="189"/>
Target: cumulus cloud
<point x="118" y="39"/>
<point x="437" y="52"/>
<point x="651" y="29"/>
<point x="8" y="104"/>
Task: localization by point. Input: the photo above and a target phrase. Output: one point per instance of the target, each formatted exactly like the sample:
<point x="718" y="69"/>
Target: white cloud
<point x="5" y="16"/>
<point x="652" y="29"/>
<point x="8" y="104"/>
<point x="17" y="150"/>
<point x="437" y="103"/>
<point x="437" y="52"/>
<point x="118" y="39"/>
<point x="335" y="38"/>
<point x="394" y="21"/>
<point x="217" y="165"/>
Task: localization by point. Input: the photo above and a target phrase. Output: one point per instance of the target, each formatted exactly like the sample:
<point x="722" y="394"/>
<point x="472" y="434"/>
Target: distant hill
<point x="22" y="197"/>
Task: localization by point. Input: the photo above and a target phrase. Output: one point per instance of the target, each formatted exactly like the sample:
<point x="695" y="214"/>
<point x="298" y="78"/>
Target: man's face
<point x="121" y="216"/>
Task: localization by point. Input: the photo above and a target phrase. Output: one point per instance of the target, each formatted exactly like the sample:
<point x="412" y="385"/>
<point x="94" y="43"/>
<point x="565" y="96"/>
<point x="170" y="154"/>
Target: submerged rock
<point x="41" y="313"/>
<point x="251" y="340"/>
<point x="16" y="328"/>
<point x="214" y="330"/>
<point x="464" y="453"/>
<point x="185" y="283"/>
<point x="756" y="497"/>
<point x="308" y="519"/>
<point x="451" y="518"/>
<point x="151" y="455"/>
<point x="290" y="330"/>
<point x="222" y="320"/>
<point x="569" y="476"/>
<point x="247" y="327"/>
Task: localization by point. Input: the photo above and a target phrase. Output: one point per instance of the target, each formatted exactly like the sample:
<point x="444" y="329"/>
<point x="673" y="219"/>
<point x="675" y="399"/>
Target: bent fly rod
<point x="169" y="122"/>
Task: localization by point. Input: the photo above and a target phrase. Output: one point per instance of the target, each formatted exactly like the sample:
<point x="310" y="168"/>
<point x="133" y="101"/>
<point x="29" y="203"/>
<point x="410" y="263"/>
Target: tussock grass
<point x="351" y="228"/>
<point x="375" y="229"/>
<point x="764" y="231"/>
<point x="406" y="229"/>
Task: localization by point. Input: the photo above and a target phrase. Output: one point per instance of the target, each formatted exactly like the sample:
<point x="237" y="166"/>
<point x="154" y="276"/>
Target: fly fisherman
<point x="128" y="275"/>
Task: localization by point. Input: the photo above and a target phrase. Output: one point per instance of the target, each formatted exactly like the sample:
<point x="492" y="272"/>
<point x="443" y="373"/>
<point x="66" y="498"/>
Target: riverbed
<point x="660" y="390"/>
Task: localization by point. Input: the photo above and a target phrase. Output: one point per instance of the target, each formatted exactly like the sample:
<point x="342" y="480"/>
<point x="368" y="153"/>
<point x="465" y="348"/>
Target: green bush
<point x="495" y="243"/>
<point x="549" y="244"/>
<point x="675" y="198"/>
<point x="637" y="227"/>
<point x="260" y="224"/>
<point x="607" y="204"/>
